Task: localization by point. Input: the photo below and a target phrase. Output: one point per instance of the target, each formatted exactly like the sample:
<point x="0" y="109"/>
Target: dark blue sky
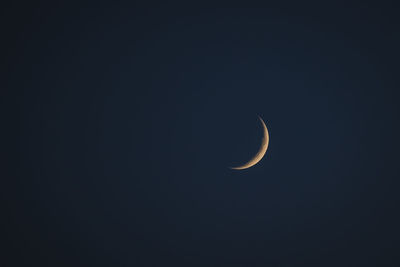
<point x="122" y="120"/>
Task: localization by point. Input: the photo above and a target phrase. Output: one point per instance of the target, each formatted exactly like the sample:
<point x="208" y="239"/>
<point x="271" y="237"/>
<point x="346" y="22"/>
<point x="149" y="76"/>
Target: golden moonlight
<point x="261" y="152"/>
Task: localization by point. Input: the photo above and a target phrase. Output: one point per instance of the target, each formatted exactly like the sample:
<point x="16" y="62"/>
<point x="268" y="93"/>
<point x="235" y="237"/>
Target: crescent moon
<point x="261" y="151"/>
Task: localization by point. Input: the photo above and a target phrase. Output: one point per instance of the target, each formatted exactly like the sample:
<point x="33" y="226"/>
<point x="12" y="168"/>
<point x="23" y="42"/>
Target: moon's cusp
<point x="261" y="152"/>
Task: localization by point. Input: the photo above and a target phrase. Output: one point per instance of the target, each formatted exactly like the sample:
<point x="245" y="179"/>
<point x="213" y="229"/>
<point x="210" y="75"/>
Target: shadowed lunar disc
<point x="261" y="152"/>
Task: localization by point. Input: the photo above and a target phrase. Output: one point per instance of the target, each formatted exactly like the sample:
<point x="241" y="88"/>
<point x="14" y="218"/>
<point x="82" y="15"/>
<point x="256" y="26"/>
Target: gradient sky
<point x="121" y="122"/>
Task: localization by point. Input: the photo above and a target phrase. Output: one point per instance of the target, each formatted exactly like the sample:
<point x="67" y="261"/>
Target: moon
<point x="261" y="151"/>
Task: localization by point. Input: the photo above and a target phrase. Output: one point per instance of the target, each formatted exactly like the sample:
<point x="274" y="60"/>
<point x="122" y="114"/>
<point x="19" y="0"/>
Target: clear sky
<point x="121" y="122"/>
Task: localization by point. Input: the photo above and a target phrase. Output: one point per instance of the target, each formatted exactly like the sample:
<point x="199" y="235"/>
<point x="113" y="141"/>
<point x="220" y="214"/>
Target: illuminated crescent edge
<point x="261" y="152"/>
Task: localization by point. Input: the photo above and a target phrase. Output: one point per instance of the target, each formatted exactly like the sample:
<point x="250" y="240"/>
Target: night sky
<point x="119" y="122"/>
